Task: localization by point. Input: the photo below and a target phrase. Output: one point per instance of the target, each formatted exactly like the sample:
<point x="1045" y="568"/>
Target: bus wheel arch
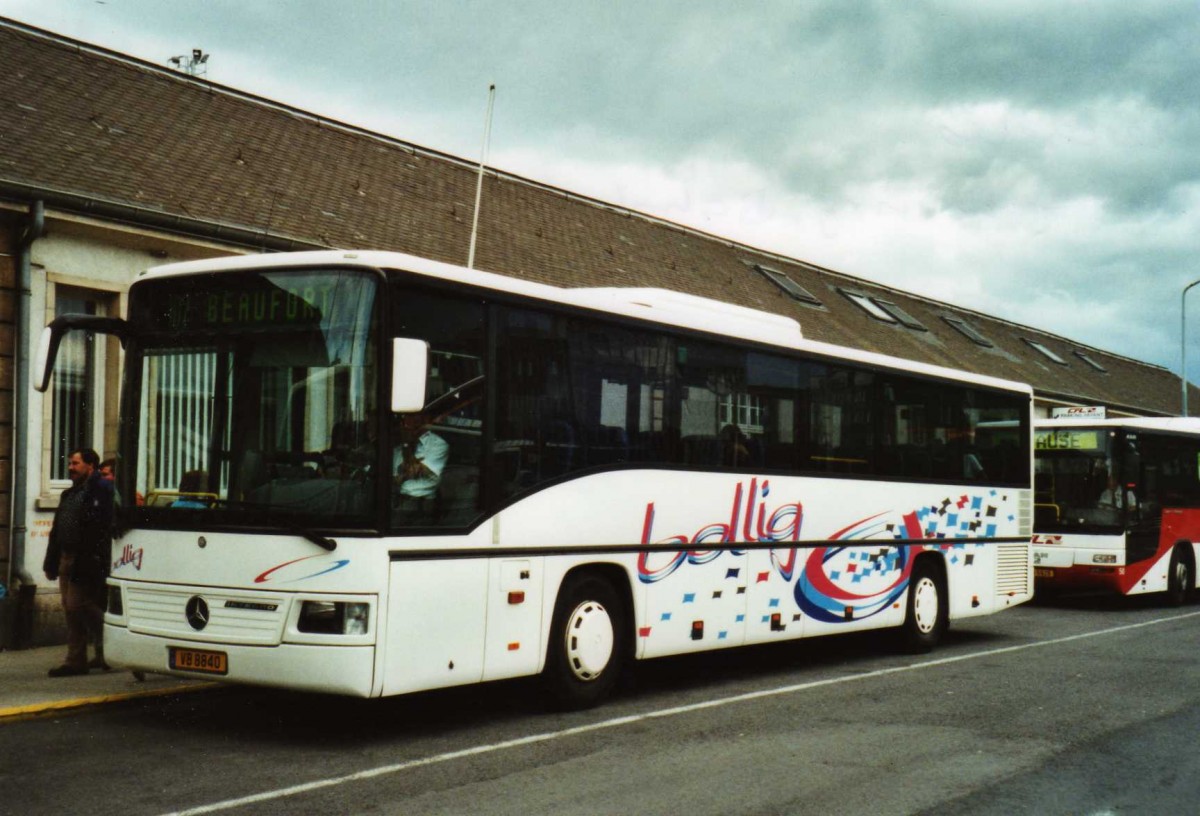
<point x="590" y="638"/>
<point x="1181" y="574"/>
<point x="927" y="605"/>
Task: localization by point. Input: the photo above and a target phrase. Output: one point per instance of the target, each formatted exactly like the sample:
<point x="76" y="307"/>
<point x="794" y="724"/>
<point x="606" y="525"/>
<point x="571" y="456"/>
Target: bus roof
<point x="1183" y="425"/>
<point x="654" y="305"/>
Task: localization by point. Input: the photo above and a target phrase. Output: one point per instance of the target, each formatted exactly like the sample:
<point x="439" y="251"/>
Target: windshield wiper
<point x="321" y="541"/>
<point x="316" y="538"/>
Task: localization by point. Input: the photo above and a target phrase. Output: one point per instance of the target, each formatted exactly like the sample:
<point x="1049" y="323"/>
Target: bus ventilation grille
<point x="1012" y="569"/>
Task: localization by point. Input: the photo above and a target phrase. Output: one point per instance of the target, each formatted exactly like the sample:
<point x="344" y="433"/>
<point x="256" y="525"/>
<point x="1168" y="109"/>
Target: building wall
<point x="8" y="276"/>
<point x="77" y="257"/>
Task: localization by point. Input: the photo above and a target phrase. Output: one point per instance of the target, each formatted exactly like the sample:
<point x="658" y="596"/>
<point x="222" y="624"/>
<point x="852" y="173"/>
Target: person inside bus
<point x="417" y="465"/>
<point x="191" y="491"/>
<point x="1114" y="496"/>
<point x="734" y="447"/>
<point x="108" y="472"/>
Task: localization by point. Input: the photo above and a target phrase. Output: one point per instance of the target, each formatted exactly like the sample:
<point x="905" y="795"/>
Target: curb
<point x="36" y="709"/>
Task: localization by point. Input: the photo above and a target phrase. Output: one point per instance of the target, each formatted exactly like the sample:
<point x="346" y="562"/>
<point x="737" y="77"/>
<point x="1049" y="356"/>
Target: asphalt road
<point x="1078" y="707"/>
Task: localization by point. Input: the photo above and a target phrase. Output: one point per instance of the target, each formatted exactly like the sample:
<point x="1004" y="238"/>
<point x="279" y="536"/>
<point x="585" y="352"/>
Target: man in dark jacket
<point x="79" y="555"/>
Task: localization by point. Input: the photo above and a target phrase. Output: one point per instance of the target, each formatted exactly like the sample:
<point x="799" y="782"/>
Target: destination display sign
<point x="226" y="308"/>
<point x="255" y="301"/>
<point x="1077" y="440"/>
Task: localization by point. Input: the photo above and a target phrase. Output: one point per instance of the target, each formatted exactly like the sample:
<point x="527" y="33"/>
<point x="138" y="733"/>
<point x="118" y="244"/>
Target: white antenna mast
<point x="487" y="137"/>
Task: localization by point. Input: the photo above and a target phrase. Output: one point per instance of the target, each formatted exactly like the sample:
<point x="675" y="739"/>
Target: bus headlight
<point x="333" y="618"/>
<point x="1104" y="559"/>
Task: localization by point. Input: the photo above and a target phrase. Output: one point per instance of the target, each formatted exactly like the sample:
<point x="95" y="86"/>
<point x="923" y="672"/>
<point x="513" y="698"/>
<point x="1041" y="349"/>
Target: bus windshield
<point x="1076" y="481"/>
<point x="253" y="397"/>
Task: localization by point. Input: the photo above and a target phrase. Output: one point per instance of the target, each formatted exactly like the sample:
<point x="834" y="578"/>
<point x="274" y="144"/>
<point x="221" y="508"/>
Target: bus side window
<point x="452" y="419"/>
<point x="841" y="435"/>
<point x="574" y="395"/>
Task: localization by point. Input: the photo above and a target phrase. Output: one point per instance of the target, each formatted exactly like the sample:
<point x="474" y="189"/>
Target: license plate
<point x="196" y="660"/>
<point x="1042" y="572"/>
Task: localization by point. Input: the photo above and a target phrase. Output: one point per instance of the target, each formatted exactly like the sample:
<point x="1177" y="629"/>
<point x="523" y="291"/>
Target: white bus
<point x="606" y="475"/>
<point x="1117" y="505"/>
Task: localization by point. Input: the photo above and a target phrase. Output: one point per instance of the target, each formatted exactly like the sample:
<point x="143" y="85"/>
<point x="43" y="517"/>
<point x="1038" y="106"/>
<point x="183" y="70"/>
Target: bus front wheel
<point x="926" y="614"/>
<point x="1179" y="579"/>
<point x="588" y="642"/>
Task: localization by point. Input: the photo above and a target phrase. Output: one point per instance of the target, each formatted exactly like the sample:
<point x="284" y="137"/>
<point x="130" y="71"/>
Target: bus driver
<point x="1114" y="496"/>
<point x="417" y="465"/>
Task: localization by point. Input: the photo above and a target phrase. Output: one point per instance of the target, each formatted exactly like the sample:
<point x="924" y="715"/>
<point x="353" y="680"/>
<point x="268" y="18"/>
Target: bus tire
<point x="927" y="611"/>
<point x="1180" y="578"/>
<point x="588" y="642"/>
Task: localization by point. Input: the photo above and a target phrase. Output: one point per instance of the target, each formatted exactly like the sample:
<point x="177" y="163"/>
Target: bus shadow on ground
<point x="1105" y="601"/>
<point x="280" y="717"/>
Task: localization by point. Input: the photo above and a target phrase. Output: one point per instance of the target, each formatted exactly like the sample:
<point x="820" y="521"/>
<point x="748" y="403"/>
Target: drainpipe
<point x="34" y="229"/>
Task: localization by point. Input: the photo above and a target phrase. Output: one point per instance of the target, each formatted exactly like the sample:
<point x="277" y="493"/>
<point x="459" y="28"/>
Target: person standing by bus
<point x="78" y="557"/>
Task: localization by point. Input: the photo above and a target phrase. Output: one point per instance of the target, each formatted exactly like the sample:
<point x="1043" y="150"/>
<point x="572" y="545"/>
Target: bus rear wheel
<point x="588" y="643"/>
<point x="1179" y="579"/>
<point x="926" y="613"/>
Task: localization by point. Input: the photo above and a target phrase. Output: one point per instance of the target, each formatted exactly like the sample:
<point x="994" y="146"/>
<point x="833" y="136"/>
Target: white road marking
<point x="533" y="739"/>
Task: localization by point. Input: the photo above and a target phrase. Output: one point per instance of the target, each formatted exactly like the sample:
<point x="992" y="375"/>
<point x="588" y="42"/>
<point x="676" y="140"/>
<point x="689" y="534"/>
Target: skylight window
<point x="788" y="285"/>
<point x="904" y="317"/>
<point x="968" y="331"/>
<point x="1091" y="362"/>
<point x="869" y="306"/>
<point x="1044" y="351"/>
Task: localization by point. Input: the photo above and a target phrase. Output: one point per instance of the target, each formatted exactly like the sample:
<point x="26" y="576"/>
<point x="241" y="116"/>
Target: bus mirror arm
<point x="58" y="328"/>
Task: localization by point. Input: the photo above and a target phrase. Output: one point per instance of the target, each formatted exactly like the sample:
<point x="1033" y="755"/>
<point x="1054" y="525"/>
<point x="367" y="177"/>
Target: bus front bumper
<point x="1081" y="576"/>
<point x="347" y="670"/>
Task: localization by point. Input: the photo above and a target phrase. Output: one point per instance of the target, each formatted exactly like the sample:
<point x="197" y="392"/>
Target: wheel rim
<point x="925" y="605"/>
<point x="1181" y="576"/>
<point x="590" y="640"/>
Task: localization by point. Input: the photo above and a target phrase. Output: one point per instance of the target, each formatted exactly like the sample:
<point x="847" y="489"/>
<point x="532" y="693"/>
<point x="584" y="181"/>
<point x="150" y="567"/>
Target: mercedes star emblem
<point x="196" y="612"/>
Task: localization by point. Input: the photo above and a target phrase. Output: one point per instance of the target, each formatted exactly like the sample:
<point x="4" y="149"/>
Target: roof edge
<point x="70" y="201"/>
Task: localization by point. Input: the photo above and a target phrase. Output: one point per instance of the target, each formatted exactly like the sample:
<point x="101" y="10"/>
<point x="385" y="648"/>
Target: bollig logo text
<point x="749" y="521"/>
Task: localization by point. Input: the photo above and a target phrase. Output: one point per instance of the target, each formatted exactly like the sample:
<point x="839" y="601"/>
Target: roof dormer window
<point x="968" y="331"/>
<point x="869" y="306"/>
<point x="900" y="314"/>
<point x="795" y="290"/>
<point x="1044" y="351"/>
<point x="884" y="310"/>
<point x="1082" y="356"/>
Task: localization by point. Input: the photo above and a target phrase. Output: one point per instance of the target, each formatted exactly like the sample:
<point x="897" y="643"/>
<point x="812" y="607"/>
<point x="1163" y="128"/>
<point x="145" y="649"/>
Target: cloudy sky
<point x="1035" y="160"/>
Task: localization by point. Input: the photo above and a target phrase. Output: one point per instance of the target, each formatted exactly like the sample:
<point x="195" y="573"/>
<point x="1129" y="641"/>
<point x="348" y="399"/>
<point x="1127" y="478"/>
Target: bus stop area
<point x="27" y="691"/>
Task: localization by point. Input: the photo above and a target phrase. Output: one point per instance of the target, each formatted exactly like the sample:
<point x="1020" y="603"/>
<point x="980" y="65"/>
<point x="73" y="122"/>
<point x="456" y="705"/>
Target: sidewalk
<point x="26" y="690"/>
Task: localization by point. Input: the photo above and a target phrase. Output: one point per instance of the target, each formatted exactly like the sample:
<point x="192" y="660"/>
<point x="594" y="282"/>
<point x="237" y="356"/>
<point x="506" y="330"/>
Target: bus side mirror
<point x="53" y="334"/>
<point x="46" y="354"/>
<point x="410" y="362"/>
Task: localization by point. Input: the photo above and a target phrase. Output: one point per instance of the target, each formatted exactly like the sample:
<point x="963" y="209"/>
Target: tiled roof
<point x="88" y="125"/>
